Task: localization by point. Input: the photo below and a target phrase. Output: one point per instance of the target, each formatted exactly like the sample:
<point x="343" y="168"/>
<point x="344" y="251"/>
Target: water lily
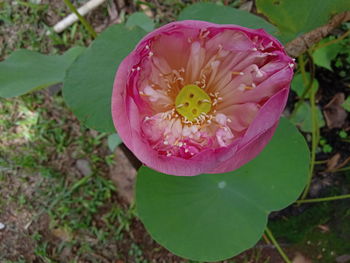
<point x="196" y="97"/>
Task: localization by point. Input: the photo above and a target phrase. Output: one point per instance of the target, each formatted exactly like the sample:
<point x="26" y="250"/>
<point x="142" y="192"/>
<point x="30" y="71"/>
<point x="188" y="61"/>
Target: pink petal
<point x="247" y="74"/>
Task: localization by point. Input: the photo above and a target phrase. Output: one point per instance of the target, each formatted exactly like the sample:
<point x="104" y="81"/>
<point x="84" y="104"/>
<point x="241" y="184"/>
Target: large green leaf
<point x="89" y="81"/>
<point x="141" y="20"/>
<point x="296" y="17"/>
<point x="224" y="15"/>
<point x="27" y="70"/>
<point x="214" y="217"/>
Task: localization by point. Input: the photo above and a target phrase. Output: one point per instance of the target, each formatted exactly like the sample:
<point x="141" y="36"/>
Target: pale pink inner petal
<point x="174" y="48"/>
<point x="241" y="115"/>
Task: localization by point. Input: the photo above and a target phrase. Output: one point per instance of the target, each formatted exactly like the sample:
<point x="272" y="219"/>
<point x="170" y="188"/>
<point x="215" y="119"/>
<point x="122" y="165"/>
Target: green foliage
<point x="346" y="104"/>
<point x="305" y="232"/>
<point x="89" y="81"/>
<point x="296" y="228"/>
<point x="141" y="20"/>
<point x="24" y="26"/>
<point x="299" y="87"/>
<point x="26" y="71"/>
<point x="302" y="117"/>
<point x="324" y="55"/>
<point x="213" y="217"/>
<point x="343" y="134"/>
<point x="296" y="17"/>
<point x="224" y="15"/>
<point x="113" y="141"/>
<point x="76" y="206"/>
<point x="326" y="148"/>
<point x="15" y="16"/>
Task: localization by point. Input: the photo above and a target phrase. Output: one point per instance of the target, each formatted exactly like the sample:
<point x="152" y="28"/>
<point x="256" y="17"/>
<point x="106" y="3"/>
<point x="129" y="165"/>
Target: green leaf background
<point x="89" y="81"/>
<point x="26" y="70"/>
<point x="141" y="20"/>
<point x="225" y="15"/>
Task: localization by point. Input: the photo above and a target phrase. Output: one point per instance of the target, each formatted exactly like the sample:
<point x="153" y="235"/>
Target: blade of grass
<point x="333" y="41"/>
<point x="87" y="25"/>
<point x="277" y="246"/>
<point x="343" y="169"/>
<point x="321" y="161"/>
<point x="323" y="199"/>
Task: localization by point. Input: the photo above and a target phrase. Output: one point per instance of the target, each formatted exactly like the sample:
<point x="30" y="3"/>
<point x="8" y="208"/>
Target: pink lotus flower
<point x="195" y="97"/>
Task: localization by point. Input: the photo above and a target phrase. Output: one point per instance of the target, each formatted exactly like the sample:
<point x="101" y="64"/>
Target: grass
<point x="24" y="25"/>
<point x="74" y="203"/>
<point x="38" y="137"/>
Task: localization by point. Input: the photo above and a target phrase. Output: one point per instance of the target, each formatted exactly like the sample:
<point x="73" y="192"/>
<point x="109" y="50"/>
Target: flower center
<point x="192" y="101"/>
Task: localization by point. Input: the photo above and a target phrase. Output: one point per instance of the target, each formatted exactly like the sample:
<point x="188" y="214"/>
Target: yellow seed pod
<point x="192" y="101"/>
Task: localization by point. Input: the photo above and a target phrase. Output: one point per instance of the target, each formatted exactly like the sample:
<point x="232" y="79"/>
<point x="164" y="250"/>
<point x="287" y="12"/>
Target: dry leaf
<point x="299" y="258"/>
<point x="323" y="228"/>
<point x="333" y="162"/>
<point x="62" y="234"/>
<point x="334" y="113"/>
<point x="343" y="259"/>
<point x="338" y="166"/>
<point x="342" y="164"/>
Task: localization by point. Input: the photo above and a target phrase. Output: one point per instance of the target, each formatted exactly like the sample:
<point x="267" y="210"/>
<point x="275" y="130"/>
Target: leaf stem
<point x="87" y="25"/>
<point x="303" y="71"/>
<point x="306" y="83"/>
<point x="321" y="161"/>
<point x="344" y="169"/>
<point x="315" y="128"/>
<point x="277" y="246"/>
<point x="324" y="199"/>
